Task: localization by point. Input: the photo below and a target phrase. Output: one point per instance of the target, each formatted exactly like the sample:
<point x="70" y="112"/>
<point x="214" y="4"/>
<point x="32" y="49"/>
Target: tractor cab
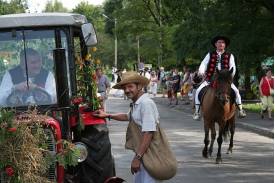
<point x="38" y="67"/>
<point x="32" y="69"/>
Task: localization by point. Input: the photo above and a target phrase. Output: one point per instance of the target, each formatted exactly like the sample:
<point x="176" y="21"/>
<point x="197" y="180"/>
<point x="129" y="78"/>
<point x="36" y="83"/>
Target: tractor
<point x="47" y="46"/>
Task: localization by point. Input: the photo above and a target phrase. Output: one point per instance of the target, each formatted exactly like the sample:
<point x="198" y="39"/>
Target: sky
<point x="39" y="5"/>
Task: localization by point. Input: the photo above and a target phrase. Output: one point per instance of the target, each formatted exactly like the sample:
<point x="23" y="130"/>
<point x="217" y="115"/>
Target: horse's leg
<point x="206" y="140"/>
<point x="219" y="140"/>
<point x="213" y="137"/>
<point x="232" y="131"/>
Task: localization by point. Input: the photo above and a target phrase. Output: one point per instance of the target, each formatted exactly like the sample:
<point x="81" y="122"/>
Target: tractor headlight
<point x="83" y="151"/>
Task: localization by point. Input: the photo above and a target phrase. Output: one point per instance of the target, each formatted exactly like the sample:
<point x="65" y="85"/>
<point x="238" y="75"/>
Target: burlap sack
<point x="158" y="160"/>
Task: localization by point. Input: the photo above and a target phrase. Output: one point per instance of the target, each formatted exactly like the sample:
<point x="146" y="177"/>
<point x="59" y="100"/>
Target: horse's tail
<point x="226" y="130"/>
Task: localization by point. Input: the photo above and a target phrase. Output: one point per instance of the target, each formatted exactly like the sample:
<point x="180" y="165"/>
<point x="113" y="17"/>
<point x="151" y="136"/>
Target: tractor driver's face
<point x="220" y="45"/>
<point x="34" y="64"/>
<point x="132" y="90"/>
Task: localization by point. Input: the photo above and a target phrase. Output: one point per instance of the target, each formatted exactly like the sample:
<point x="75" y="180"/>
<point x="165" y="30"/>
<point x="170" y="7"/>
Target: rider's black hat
<point x="215" y="39"/>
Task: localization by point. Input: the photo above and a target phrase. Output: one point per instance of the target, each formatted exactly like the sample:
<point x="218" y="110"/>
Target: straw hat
<point x="131" y="77"/>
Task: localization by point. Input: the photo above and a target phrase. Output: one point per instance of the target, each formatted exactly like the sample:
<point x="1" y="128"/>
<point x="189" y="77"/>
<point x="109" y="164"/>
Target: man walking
<point x="103" y="85"/>
<point x="218" y="59"/>
<point x="144" y="113"/>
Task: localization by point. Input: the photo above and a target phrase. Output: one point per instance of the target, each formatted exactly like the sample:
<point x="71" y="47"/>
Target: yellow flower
<point x="88" y="57"/>
<point x="93" y="49"/>
<point x="97" y="61"/>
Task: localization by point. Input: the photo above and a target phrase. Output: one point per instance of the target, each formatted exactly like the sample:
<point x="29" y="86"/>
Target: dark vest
<point x="213" y="62"/>
<point x="18" y="76"/>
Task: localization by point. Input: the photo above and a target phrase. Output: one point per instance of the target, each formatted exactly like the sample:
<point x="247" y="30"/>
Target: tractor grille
<point x="52" y="174"/>
<point x="4" y="178"/>
<point x="52" y="148"/>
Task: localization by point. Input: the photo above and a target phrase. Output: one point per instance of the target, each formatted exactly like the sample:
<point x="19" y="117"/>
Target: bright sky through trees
<point x="38" y="6"/>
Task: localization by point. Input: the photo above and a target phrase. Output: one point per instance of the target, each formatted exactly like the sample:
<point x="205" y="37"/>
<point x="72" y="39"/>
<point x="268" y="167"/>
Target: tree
<point x="13" y="6"/>
<point x="55" y="6"/>
<point x="105" y="45"/>
<point x="137" y="21"/>
<point x="248" y="23"/>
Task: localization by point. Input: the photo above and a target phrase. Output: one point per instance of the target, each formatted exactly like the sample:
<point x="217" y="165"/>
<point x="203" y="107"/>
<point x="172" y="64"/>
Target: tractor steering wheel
<point x="35" y="96"/>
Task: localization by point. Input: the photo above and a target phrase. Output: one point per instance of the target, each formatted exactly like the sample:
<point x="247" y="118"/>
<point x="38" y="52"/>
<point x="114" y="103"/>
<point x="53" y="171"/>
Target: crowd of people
<point x="188" y="83"/>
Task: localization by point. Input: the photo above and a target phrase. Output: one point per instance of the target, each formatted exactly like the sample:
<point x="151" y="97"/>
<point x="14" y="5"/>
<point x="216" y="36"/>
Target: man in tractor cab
<point x="218" y="59"/>
<point x="30" y="67"/>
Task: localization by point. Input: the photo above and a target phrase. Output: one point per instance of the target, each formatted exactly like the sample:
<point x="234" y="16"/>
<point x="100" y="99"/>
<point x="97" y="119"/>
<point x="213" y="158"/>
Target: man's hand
<point x="21" y="86"/>
<point x="24" y="87"/>
<point x="135" y="166"/>
<point x="100" y="114"/>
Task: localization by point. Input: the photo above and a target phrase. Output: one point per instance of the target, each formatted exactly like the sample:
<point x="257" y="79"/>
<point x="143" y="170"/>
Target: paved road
<point x="251" y="161"/>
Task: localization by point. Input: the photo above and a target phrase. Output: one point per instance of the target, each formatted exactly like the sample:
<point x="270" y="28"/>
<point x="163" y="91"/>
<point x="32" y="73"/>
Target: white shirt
<point x="145" y="113"/>
<point x="147" y="75"/>
<point x="7" y="84"/>
<point x="204" y="64"/>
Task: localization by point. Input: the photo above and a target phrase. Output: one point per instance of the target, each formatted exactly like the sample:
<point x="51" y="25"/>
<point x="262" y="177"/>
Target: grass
<point x="256" y="107"/>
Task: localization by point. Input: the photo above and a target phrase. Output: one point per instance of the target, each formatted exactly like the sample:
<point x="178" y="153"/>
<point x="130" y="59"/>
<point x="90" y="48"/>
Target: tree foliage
<point x="12" y="6"/>
<point x="55" y="6"/>
<point x="248" y="24"/>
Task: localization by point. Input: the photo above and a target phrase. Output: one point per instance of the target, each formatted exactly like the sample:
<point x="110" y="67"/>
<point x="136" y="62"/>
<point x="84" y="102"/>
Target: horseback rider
<point x="219" y="59"/>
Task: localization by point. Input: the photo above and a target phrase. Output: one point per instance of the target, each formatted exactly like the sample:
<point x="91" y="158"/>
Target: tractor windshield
<point x="27" y="68"/>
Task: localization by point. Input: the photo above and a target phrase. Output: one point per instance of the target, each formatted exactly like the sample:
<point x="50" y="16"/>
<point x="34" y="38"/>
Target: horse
<point x="218" y="106"/>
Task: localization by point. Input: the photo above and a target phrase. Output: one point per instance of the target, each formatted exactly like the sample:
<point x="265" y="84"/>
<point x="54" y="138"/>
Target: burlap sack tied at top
<point x="158" y="160"/>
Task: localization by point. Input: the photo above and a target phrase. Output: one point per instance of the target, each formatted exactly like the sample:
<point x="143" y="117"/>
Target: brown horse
<point x="218" y="107"/>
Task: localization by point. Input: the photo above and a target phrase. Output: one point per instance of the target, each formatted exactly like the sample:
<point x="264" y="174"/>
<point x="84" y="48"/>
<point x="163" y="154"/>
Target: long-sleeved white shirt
<point x="204" y="64"/>
<point x="7" y="85"/>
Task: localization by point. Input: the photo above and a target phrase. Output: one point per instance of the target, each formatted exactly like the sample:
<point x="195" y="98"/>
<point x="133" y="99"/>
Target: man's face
<point x="220" y="45"/>
<point x="34" y="65"/>
<point x="99" y="73"/>
<point x="131" y="90"/>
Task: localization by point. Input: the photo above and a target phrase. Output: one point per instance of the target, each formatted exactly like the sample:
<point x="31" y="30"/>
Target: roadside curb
<point x="254" y="128"/>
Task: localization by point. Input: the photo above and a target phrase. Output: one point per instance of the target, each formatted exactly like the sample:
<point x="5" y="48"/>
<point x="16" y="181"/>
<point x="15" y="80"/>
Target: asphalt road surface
<point x="251" y="161"/>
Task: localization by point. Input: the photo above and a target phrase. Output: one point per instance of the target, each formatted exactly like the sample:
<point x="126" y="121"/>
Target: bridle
<point x="223" y="93"/>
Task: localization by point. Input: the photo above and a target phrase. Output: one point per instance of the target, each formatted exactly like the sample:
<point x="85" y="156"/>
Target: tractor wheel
<point x="99" y="164"/>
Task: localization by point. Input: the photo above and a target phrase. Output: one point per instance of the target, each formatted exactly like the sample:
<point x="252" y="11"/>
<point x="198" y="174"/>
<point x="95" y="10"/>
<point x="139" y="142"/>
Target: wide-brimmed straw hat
<point x="215" y="39"/>
<point x="131" y="77"/>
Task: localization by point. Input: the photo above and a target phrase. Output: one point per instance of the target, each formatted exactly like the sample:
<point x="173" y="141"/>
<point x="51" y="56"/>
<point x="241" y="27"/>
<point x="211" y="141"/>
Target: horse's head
<point x="223" y="81"/>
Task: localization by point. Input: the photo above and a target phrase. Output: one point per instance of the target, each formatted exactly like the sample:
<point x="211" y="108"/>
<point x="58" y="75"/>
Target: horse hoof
<point x="205" y="154"/>
<point x="218" y="160"/>
<point x="229" y="151"/>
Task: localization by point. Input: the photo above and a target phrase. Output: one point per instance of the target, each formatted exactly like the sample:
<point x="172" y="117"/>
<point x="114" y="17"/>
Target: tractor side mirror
<point x="89" y="34"/>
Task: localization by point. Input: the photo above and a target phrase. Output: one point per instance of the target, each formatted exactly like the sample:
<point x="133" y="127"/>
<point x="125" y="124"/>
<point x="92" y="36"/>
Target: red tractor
<point x="38" y="54"/>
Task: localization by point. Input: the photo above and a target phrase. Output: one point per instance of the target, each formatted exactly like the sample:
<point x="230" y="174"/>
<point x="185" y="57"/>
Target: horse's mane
<point x="224" y="76"/>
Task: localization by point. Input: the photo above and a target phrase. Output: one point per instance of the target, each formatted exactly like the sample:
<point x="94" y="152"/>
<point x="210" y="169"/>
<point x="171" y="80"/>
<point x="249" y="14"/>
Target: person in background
<point x="114" y="75"/>
<point x="148" y="76"/>
<point x="267" y="83"/>
<point x="169" y="86"/>
<point x="162" y="80"/>
<point x="103" y="85"/>
<point x="176" y="86"/>
<point x="186" y="82"/>
<point x="154" y="83"/>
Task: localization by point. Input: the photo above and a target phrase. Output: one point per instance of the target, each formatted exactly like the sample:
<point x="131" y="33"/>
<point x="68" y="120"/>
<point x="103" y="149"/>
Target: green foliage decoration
<point x="25" y="157"/>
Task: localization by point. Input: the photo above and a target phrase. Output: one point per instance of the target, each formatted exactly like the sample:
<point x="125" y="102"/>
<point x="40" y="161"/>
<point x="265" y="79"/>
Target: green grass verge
<point x="253" y="107"/>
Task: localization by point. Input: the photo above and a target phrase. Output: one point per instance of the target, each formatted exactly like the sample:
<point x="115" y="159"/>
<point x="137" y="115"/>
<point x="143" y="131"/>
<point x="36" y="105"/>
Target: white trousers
<point x="205" y="83"/>
<point x="142" y="176"/>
